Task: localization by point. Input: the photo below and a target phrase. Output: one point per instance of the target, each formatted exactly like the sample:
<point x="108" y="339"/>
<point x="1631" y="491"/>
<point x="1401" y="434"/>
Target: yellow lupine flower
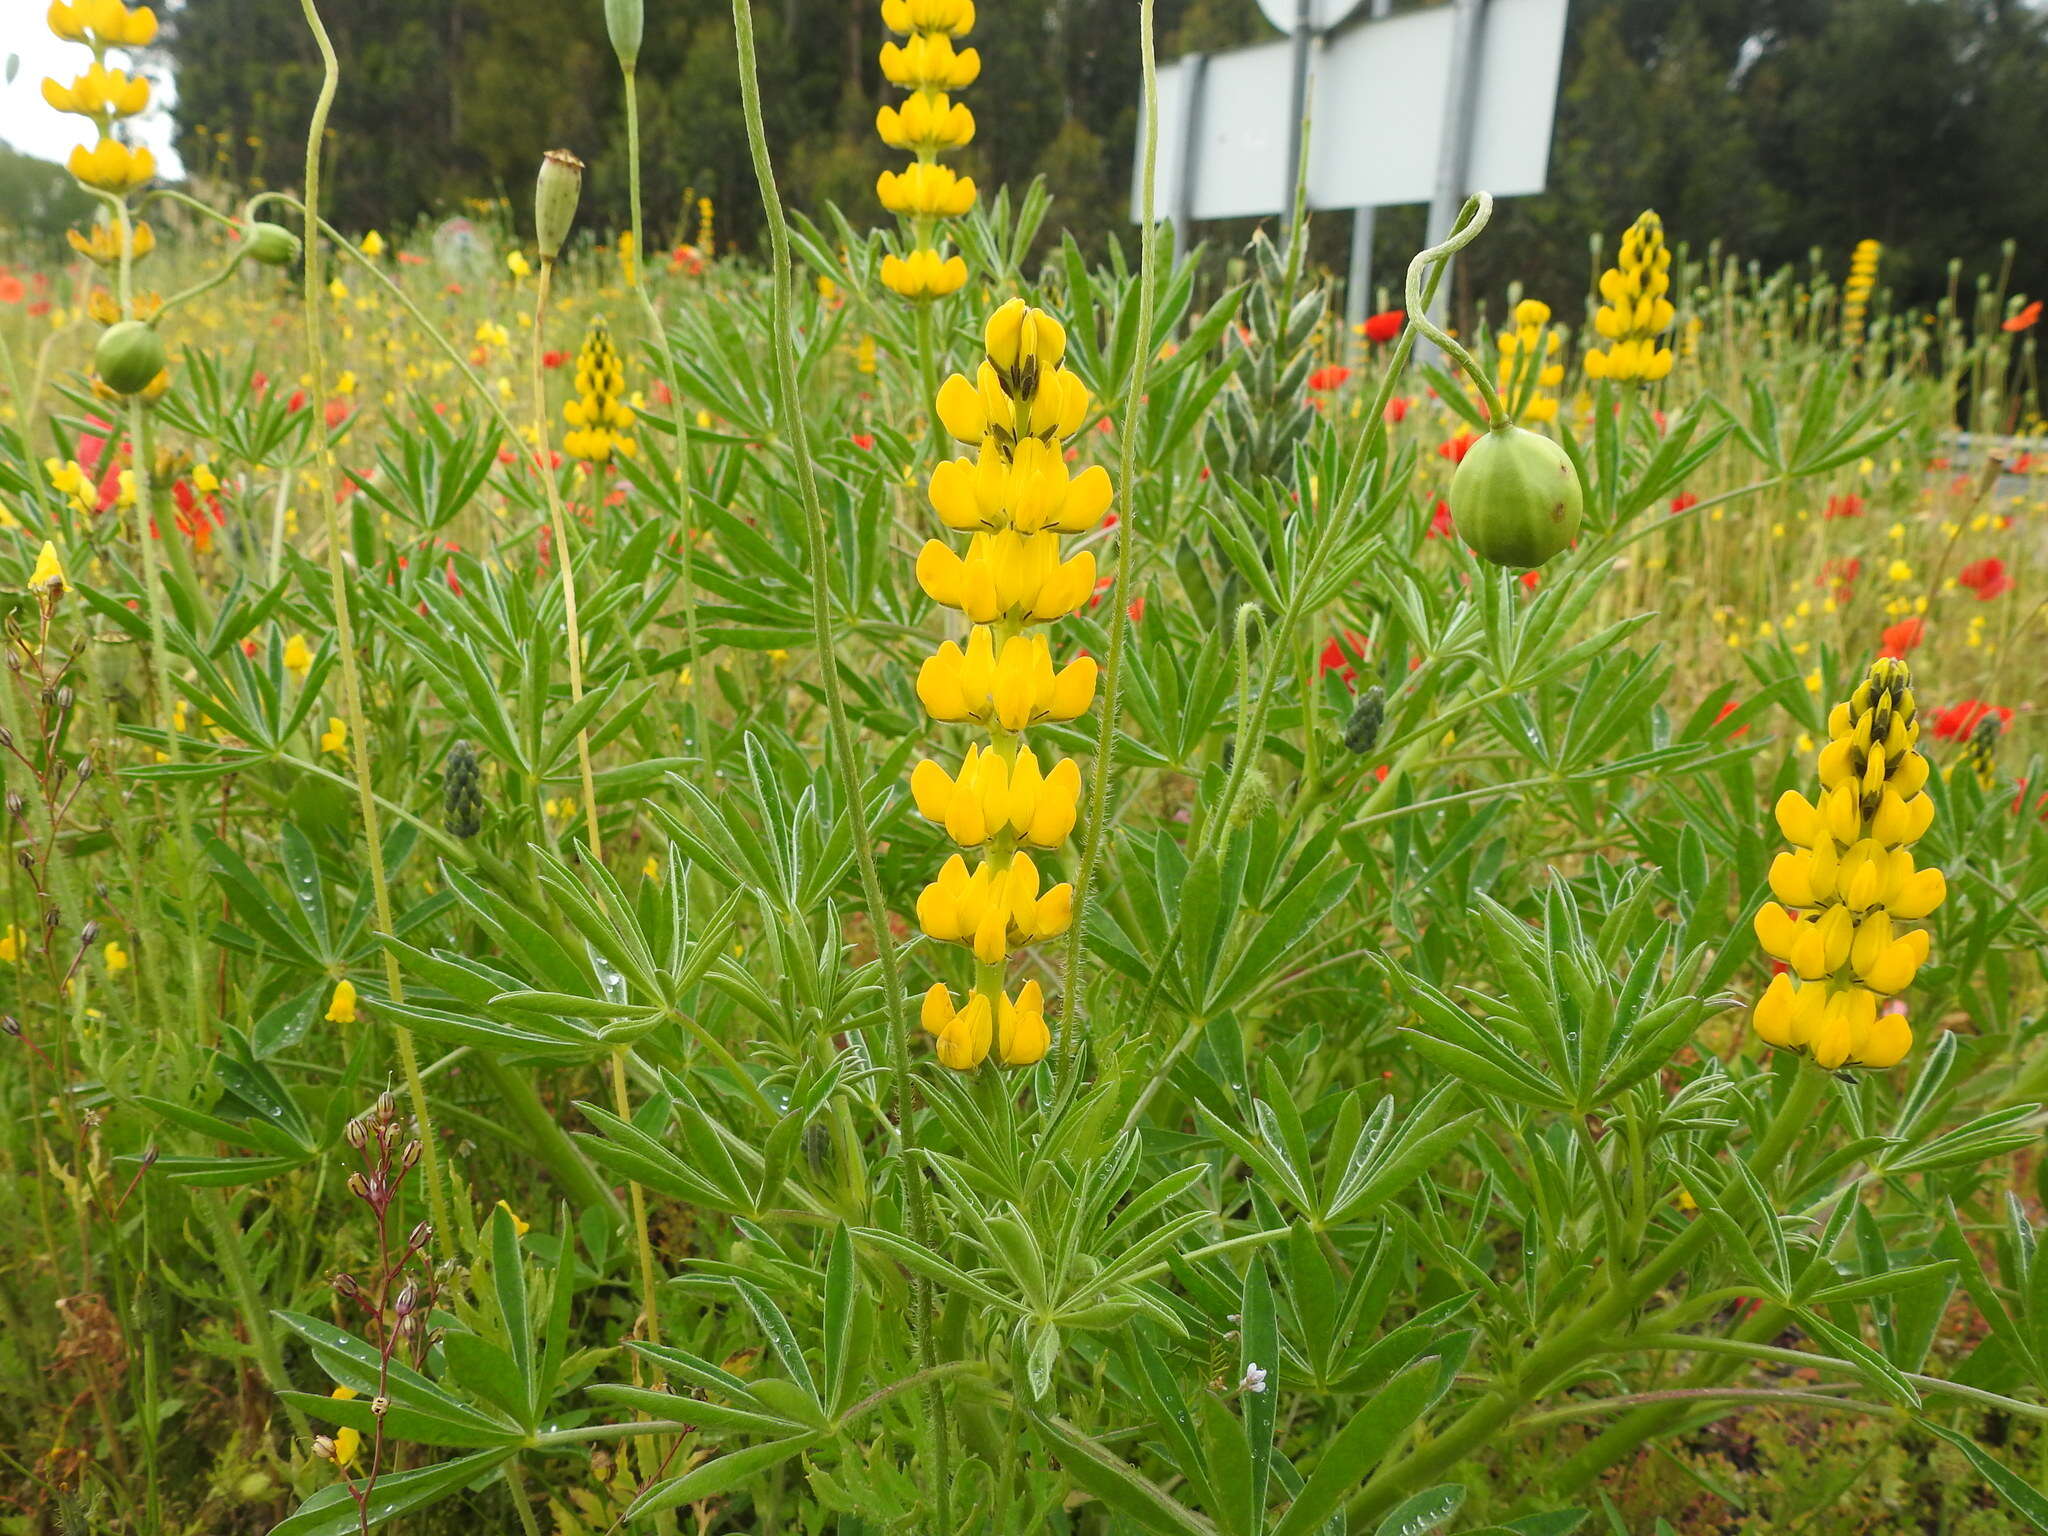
<point x="103" y="23"/>
<point x="111" y="166"/>
<point x="335" y="737"/>
<point x="599" y="416"/>
<point x="1634" y="311"/>
<point x="341" y="1008"/>
<point x="923" y="274"/>
<point x="1016" y="498"/>
<point x="1850" y="883"/>
<point x="1528" y="382"/>
<point x="47" y="579"/>
<point x="298" y="656"/>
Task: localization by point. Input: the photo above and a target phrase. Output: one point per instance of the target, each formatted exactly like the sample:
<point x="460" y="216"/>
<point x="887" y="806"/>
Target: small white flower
<point x="1254" y="1378"/>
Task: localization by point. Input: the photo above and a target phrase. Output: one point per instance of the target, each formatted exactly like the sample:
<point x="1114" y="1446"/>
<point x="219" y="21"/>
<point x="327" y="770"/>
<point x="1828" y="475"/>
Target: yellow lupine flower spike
<point x="1016" y="498"/>
<point x="1849" y="883"/>
<point x="928" y="123"/>
<point x="599" y="417"/>
<point x="1634" y="310"/>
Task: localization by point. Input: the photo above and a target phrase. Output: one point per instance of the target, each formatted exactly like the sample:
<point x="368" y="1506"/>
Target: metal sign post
<point x="1415" y="107"/>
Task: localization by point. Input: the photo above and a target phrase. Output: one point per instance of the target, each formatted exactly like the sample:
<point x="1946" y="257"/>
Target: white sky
<point x="26" y="121"/>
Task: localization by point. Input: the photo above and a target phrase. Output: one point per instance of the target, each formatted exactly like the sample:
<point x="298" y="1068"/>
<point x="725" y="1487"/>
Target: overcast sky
<point x="26" y="120"/>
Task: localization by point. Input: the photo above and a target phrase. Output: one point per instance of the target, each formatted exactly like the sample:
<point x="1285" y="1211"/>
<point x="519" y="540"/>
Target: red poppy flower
<point x="1532" y="579"/>
<point x="1440" y="521"/>
<point x="554" y="358"/>
<point x="1726" y="710"/>
<point x="1958" y="721"/>
<point x="1902" y="637"/>
<point x="1987" y="578"/>
<point x="863" y="441"/>
<point x="2024" y="318"/>
<point x="1456" y="448"/>
<point x="1384" y="326"/>
<point x="1684" y="501"/>
<point x="1339" y="653"/>
<point x="1850" y="505"/>
<point x="1397" y="408"/>
<point x="11" y="289"/>
<point x="1329" y="378"/>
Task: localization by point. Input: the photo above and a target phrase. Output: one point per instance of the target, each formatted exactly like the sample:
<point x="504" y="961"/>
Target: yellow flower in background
<point x="1634" y="311"/>
<point x="99" y="93"/>
<point x="1530" y="371"/>
<point x="1850" y="884"/>
<point x="103" y="23"/>
<point x="298" y="656"/>
<point x="519" y="1227"/>
<point x="341" y="1008"/>
<point x="373" y="244"/>
<point x="1016" y="499"/>
<point x="335" y="737"/>
<point x="1856" y="291"/>
<point x="13" y="945"/>
<point x="114" y="957"/>
<point x="102" y="246"/>
<point x="348" y="1443"/>
<point x="927" y="124"/>
<point x="517" y="264"/>
<point x="112" y="166"/>
<point x="599" y="416"/>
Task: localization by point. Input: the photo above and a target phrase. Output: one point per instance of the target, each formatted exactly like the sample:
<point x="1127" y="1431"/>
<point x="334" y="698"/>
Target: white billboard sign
<point x="1377" y="114"/>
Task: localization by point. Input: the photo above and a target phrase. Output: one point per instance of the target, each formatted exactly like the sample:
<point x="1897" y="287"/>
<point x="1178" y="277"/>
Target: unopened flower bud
<point x="421" y="1235"/>
<point x="387" y="1107"/>
<point x="410" y="1156"/>
<point x="408" y="1301"/>
<point x="359" y="1185"/>
<point x="358" y="1135"/>
<point x="88" y="933"/>
<point x="1363" y="728"/>
<point x="273" y="244"/>
<point x="345" y="1286"/>
<point x="625" y="20"/>
<point x="554" y="200"/>
<point x="1516" y="498"/>
<point x="323" y="1448"/>
<point x="129" y="356"/>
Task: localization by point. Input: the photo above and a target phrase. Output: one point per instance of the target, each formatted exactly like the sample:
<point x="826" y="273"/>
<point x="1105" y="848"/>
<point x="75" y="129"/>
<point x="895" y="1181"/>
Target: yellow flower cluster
<point x="1634" y="311"/>
<point x="1850" y="884"/>
<point x="1529" y="369"/>
<point x="598" y="417"/>
<point x="1856" y="292"/>
<point x="930" y="122"/>
<point x="102" y="94"/>
<point x="1016" y="500"/>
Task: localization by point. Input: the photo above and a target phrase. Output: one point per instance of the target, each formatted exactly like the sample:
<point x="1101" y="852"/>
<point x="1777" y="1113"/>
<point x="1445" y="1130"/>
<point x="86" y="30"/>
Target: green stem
<point x="344" y="619"/>
<point x="686" y="511"/>
<point x="1418" y="310"/>
<point x="854" y="790"/>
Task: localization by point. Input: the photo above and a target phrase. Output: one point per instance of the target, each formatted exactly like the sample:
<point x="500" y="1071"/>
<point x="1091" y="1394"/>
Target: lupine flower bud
<point x="1362" y="730"/>
<point x="555" y="195"/>
<point x="462" y="791"/>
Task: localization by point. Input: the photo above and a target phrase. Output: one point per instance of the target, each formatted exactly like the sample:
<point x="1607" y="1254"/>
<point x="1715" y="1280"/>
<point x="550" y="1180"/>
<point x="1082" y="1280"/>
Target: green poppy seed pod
<point x="130" y="354"/>
<point x="273" y="244"/>
<point x="1516" y="498"/>
<point x="625" y="20"/>
<point x="554" y="200"/>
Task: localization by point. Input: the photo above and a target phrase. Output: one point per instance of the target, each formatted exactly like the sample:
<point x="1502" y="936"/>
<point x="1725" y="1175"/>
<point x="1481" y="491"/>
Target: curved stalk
<point x="1418" y="311"/>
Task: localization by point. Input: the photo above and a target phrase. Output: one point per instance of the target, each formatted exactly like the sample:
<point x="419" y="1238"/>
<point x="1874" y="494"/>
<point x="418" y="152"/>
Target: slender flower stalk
<point x="344" y="618"/>
<point x="852" y="786"/>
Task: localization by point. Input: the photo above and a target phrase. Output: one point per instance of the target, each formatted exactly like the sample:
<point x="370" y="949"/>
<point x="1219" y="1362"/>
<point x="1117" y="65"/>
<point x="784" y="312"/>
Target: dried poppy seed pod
<point x="554" y="200"/>
<point x="625" y="20"/>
